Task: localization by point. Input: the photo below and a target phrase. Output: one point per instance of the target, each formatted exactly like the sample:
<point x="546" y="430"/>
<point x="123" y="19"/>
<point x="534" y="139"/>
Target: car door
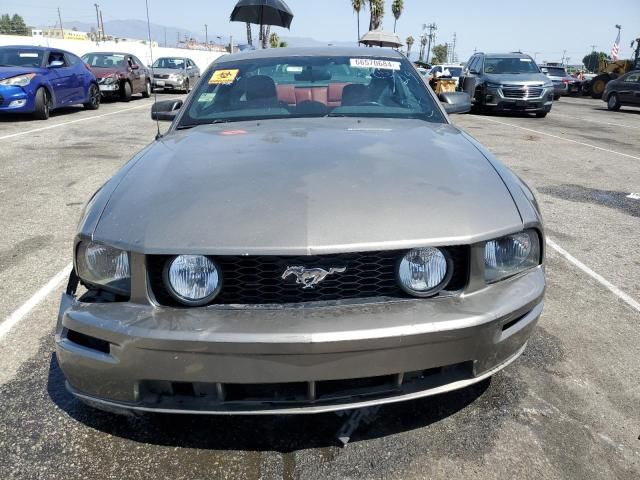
<point x="135" y="73"/>
<point x="471" y="75"/>
<point x="628" y="89"/>
<point x="194" y="72"/>
<point x="79" y="87"/>
<point x="61" y="77"/>
<point x="143" y="72"/>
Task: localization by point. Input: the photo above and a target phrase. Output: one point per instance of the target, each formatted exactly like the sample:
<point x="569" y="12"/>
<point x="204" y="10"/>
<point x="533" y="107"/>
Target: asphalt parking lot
<point x="568" y="408"/>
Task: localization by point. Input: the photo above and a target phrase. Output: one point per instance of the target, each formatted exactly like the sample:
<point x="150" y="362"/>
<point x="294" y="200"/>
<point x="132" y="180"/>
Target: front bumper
<point x="495" y="99"/>
<point x="110" y="88"/>
<point x="232" y="360"/>
<point x="14" y="99"/>
<point x="168" y="84"/>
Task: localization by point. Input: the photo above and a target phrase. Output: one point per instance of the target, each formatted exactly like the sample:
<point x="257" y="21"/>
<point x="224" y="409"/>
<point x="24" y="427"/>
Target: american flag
<point x="615" y="50"/>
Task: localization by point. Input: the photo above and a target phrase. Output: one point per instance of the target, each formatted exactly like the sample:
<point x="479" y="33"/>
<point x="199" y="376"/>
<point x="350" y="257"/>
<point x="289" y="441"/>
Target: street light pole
<point x="206" y="35"/>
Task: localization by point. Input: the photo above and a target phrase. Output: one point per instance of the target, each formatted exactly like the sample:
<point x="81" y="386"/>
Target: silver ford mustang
<point x="312" y="234"/>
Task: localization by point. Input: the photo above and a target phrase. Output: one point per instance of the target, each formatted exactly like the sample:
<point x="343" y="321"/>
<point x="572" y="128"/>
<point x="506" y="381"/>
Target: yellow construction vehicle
<point x="608" y="70"/>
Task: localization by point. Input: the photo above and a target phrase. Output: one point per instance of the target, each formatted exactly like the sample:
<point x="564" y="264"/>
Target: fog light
<point x="18" y="103"/>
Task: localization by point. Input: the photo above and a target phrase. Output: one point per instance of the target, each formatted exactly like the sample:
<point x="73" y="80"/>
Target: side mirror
<point x="474" y="71"/>
<point x="56" y="64"/>
<point x="135" y="67"/>
<point x="455" y="102"/>
<point x="544" y="70"/>
<point x="166" y="111"/>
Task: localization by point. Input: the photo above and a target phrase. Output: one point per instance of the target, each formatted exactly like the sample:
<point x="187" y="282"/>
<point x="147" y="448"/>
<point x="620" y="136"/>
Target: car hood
<point x="308" y="186"/>
<point x="519" y="78"/>
<point x="107" y="72"/>
<point x="168" y="71"/>
<point x="8" y="72"/>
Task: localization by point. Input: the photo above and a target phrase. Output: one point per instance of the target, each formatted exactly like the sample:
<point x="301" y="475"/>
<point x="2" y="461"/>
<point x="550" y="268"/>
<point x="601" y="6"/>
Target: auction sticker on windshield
<point x="223" y="77"/>
<point x="374" y="63"/>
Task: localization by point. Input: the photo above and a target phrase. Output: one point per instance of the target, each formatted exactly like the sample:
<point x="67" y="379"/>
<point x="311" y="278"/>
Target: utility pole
<point x="178" y="40"/>
<point x="97" y="21"/>
<point x="104" y="37"/>
<point x="432" y="27"/>
<point x="60" y="20"/>
<point x="564" y="52"/>
<point x="206" y="35"/>
<point x="453" y="49"/>
<point x="165" y="37"/>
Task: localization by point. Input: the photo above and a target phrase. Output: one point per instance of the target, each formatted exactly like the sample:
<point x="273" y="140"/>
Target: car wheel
<point x="125" y="91"/>
<point x="43" y="105"/>
<point x="187" y="86"/>
<point x="147" y="90"/>
<point x="556" y="98"/>
<point x="94" y="98"/>
<point x="613" y="103"/>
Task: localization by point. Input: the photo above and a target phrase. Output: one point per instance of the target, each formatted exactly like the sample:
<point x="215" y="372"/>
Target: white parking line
<point x="561" y="138"/>
<point x="13" y="319"/>
<point x="596" y="276"/>
<point x="84" y="119"/>
<point x="555" y="114"/>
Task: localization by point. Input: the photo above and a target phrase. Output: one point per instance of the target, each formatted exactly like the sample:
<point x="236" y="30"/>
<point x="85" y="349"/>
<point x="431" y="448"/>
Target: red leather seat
<point x="330" y="96"/>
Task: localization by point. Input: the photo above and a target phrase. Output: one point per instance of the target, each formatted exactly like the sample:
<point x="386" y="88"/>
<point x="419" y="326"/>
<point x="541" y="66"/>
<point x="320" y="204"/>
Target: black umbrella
<point x="263" y="12"/>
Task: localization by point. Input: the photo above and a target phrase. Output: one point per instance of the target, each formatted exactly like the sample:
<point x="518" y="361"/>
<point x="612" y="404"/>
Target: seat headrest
<point x="260" y="87"/>
<point x="354" y="94"/>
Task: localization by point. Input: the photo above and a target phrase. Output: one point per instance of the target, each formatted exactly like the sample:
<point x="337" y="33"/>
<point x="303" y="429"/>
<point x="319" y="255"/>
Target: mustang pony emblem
<point x="310" y="277"/>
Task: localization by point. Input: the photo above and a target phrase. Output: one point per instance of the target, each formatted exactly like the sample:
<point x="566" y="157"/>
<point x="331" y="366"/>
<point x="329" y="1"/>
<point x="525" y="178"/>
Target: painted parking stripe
<point x="633" y="303"/>
<point x="15" y="318"/>
<point x="561" y="138"/>
<point x="84" y="119"/>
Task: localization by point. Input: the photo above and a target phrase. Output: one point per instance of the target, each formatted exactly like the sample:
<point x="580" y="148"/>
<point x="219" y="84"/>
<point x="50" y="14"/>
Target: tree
<point x="396" y="8"/>
<point x="410" y="42"/>
<point x="423" y="45"/>
<point x="249" y="35"/>
<point x="358" y="6"/>
<point x="439" y="54"/>
<point x="376" y="8"/>
<point x="592" y="61"/>
<point x="283" y="44"/>
<point x="13" y="25"/>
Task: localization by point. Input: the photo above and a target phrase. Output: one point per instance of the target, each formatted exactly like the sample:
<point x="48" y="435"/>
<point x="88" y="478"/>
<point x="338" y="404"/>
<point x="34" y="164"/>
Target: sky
<point x="543" y="28"/>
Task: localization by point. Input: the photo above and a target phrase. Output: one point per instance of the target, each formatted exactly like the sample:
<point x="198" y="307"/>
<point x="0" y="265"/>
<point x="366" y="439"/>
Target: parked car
<point x="446" y="71"/>
<point x="563" y="83"/>
<point x="37" y="80"/>
<point x="623" y="91"/>
<point x="119" y="74"/>
<point x="172" y="73"/>
<point x="507" y="82"/>
<point x="312" y="234"/>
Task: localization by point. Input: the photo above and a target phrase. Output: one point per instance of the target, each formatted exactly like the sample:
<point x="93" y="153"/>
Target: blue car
<point x="36" y="80"/>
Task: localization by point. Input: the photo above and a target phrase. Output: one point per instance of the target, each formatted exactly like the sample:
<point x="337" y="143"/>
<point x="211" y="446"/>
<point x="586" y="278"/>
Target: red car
<point x="119" y="74"/>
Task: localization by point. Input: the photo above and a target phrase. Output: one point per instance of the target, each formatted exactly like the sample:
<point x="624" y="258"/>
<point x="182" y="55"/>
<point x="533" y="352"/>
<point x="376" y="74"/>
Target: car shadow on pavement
<point x="282" y="433"/>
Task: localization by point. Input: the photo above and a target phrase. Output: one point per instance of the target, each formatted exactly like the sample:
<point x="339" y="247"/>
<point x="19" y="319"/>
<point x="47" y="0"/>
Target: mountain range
<point x="169" y="35"/>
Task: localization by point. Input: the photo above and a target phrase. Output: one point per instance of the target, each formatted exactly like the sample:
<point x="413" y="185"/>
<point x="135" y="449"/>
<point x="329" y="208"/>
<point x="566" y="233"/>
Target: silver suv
<point x="507" y="82"/>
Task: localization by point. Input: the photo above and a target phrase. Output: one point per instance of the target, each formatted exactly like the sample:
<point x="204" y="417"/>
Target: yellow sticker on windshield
<point x="223" y="77"/>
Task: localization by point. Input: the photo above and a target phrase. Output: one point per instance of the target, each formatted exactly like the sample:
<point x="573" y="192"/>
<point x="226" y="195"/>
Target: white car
<point x="446" y="70"/>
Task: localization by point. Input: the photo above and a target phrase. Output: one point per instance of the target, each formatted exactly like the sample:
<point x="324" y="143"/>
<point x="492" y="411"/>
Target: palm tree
<point x="249" y="36"/>
<point x="396" y="8"/>
<point x="376" y="8"/>
<point x="358" y="6"/>
<point x="410" y="42"/>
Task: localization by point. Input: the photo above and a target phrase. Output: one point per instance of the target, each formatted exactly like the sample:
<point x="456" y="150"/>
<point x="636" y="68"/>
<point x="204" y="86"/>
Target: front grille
<point x="257" y="280"/>
<point x="521" y="92"/>
<point x="160" y="75"/>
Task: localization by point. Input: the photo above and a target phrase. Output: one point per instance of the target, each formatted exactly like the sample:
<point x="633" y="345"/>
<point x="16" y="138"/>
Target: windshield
<point x="500" y="65"/>
<point x="556" y="72"/>
<point x="176" y="63"/>
<point x="20" y="57"/>
<point x="317" y="86"/>
<point x="104" y="60"/>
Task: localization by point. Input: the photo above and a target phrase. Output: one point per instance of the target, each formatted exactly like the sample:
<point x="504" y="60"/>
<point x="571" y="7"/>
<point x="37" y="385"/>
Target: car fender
<point x="42" y="81"/>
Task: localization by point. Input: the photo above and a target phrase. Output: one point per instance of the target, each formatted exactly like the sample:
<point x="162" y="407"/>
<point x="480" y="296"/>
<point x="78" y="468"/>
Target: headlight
<point x="493" y="85"/>
<point x="110" y="79"/>
<point x="19" y="81"/>
<point x="424" y="271"/>
<point x="192" y="279"/>
<point x="548" y="85"/>
<point x="174" y="76"/>
<point x="104" y="266"/>
<point x="507" y="256"/>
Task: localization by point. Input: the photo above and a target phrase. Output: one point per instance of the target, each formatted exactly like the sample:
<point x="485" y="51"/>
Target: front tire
<point x="94" y="98"/>
<point x="613" y="103"/>
<point x="147" y="90"/>
<point x="43" y="105"/>
<point x="187" y="86"/>
<point x="598" y="84"/>
<point x="125" y="91"/>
